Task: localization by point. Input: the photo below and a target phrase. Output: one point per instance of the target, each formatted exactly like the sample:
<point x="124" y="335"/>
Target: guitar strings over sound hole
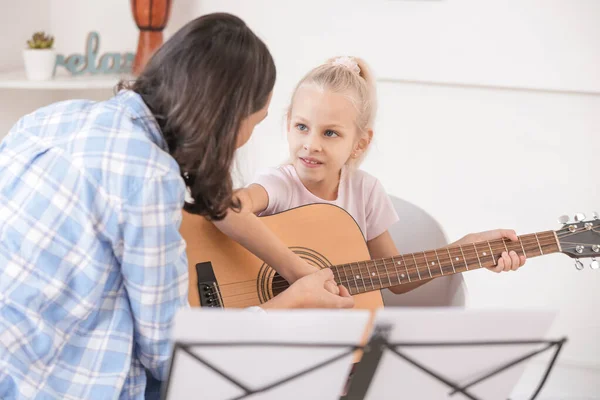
<point x="270" y="283"/>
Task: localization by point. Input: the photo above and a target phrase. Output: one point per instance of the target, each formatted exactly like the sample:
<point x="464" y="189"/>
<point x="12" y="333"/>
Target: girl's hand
<point x="313" y="291"/>
<point x="509" y="261"/>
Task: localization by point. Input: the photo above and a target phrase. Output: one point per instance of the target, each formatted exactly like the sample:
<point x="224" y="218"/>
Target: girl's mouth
<point x="310" y="162"/>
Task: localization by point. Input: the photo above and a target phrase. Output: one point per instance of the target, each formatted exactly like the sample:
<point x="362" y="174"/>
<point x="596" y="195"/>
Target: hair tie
<point x="347" y="62"/>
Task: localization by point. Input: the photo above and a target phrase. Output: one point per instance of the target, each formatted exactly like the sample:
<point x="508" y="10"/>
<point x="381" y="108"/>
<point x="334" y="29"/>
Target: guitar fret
<point x="359" y="275"/>
<point x="427" y="263"/>
<point x="521" y="243"/>
<point x="336" y="276"/>
<point x="504" y="243"/>
<point x="451" y="262"/>
<point x="396" y="269"/>
<point x="378" y="274"/>
<point x="416" y="266"/>
<point x="350" y="279"/>
<point x="464" y="258"/>
<point x="387" y="273"/>
<point x="539" y="245"/>
<point x="477" y="254"/>
<point x="342" y="281"/>
<point x="406" y="268"/>
<point x="439" y="262"/>
<point x="491" y="252"/>
<point x="347" y="280"/>
<point x="370" y="277"/>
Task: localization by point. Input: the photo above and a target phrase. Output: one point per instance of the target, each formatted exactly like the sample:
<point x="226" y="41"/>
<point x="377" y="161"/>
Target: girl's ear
<point x="363" y="143"/>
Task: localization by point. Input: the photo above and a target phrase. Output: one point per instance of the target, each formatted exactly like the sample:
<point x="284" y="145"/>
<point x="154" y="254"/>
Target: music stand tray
<point x="238" y="354"/>
<point x="451" y="353"/>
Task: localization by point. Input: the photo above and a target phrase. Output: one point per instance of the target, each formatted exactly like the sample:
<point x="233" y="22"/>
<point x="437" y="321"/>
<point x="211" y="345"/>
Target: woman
<point x="92" y="265"/>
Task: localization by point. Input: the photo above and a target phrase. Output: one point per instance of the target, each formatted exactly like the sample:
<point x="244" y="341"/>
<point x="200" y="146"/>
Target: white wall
<point x="17" y="23"/>
<point x="489" y="116"/>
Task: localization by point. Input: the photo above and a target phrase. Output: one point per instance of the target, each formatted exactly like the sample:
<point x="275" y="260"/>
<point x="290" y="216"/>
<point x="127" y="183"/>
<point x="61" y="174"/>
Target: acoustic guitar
<point x="222" y="273"/>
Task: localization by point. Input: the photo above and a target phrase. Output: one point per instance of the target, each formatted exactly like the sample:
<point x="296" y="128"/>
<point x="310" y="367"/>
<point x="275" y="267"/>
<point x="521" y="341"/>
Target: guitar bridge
<point x="208" y="288"/>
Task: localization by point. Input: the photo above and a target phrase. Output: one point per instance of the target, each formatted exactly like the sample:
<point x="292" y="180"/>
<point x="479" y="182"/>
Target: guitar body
<point x="322" y="234"/>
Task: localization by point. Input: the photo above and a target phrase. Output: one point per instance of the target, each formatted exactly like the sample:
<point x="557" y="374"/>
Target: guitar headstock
<point x="580" y="238"/>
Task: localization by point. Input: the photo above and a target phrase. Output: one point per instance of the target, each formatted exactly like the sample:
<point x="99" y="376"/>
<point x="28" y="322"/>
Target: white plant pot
<point x="39" y="64"/>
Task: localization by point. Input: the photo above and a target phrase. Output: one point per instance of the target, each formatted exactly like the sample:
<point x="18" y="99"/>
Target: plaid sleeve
<point x="154" y="267"/>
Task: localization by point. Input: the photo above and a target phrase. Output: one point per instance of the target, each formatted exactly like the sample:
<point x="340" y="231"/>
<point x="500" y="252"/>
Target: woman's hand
<point x="313" y="291"/>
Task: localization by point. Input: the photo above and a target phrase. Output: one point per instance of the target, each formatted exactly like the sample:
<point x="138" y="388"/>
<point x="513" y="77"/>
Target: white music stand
<point x="450" y="353"/>
<point x="237" y="354"/>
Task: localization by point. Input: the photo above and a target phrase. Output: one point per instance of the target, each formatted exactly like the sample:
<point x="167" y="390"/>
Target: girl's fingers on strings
<point x="507" y="261"/>
<point x="515" y="262"/>
<point x="510" y="234"/>
<point x="498" y="267"/>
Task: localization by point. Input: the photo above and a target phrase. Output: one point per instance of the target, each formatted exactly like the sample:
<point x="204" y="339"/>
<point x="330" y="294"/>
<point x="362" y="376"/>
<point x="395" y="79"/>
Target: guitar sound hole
<point x="278" y="284"/>
<point x="269" y="283"/>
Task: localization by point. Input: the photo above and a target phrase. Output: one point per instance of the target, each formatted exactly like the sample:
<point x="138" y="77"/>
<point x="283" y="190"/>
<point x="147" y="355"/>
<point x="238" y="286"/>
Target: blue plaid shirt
<point x="92" y="265"/>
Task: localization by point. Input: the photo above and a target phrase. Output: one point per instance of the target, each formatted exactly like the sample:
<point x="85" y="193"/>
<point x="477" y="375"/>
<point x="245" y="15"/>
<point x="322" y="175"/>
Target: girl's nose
<point x="312" y="143"/>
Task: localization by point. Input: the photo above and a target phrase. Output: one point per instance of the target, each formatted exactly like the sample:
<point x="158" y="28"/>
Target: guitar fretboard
<point x="366" y="276"/>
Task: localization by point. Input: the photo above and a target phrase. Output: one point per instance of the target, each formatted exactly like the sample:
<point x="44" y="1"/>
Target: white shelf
<point x="18" y="80"/>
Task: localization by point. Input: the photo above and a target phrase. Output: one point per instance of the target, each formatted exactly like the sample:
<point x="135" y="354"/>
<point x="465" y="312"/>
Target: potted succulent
<point x="39" y="57"/>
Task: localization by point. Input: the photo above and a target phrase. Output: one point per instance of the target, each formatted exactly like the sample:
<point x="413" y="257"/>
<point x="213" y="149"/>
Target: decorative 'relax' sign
<point x="108" y="63"/>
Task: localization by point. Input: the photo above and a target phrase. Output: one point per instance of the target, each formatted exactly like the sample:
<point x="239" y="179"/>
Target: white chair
<point x="418" y="231"/>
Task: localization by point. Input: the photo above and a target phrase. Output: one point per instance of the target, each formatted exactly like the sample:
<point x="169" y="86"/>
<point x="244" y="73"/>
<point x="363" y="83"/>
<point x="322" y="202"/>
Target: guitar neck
<point x="366" y="276"/>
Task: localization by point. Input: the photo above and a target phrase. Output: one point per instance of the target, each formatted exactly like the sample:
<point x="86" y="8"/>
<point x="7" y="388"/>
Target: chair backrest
<point x="417" y="231"/>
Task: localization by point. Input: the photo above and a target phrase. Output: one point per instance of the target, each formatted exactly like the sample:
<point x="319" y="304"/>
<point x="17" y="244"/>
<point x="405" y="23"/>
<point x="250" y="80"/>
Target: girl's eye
<point x="330" y="133"/>
<point x="301" y="127"/>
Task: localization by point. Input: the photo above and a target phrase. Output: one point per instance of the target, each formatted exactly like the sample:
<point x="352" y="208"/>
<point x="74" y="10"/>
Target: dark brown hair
<point x="200" y="85"/>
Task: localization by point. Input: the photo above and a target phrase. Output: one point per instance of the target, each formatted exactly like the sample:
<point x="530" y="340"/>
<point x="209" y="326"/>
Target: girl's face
<point x="249" y="123"/>
<point x="322" y="135"/>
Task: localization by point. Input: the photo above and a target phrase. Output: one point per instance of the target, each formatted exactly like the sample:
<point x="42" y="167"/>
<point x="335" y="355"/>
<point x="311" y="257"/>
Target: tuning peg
<point x="579" y="217"/>
<point x="594" y="264"/>
<point x="595" y="215"/>
<point x="596" y="248"/>
<point x="563" y="219"/>
<point x="578" y="265"/>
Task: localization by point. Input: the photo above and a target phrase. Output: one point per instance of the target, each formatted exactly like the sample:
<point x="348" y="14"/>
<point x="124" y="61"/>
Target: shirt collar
<point x="135" y="106"/>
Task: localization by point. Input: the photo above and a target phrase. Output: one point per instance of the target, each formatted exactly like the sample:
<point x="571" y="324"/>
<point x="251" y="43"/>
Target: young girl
<point x="329" y="128"/>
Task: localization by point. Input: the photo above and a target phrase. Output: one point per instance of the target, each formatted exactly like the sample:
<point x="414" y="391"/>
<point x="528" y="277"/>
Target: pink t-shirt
<point x="359" y="193"/>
